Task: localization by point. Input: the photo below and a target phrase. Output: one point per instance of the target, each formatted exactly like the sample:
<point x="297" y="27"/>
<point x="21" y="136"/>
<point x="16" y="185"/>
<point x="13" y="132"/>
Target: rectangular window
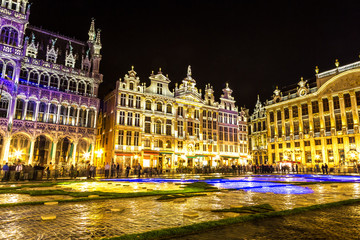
<point x="180" y="111"/>
<point x="209" y="124"/>
<point x="272" y="146"/>
<point x="296" y="128"/>
<point x="295" y="111"/>
<point x="168" y="127"/>
<point x="340" y="140"/>
<point x="123" y="99"/>
<point x="136" y="138"/>
<point x="235" y="135"/>
<point x="204" y="135"/>
<point x="231" y="135"/>
<point x="147" y="143"/>
<point x="349" y="120"/>
<point x="330" y="155"/>
<point x="328" y="141"/>
<point x="147" y="124"/>
<point x="287" y="129"/>
<point x="327" y="124"/>
<point x="278" y="115"/>
<point x="226" y="136"/>
<point x="351" y="139"/>
<point x="225" y="118"/>
<point x="338" y="123"/>
<point x="308" y="156"/>
<point x="279" y="128"/>
<point x="306" y="128"/>
<point x="316" y="125"/>
<point x="129" y="119"/>
<point x="306" y="143"/>
<point x="317" y="142"/>
<point x="138" y="102"/>
<point x="204" y="123"/>
<point x="190" y="128"/>
<point x="297" y="144"/>
<point x="221" y="134"/>
<point x="131" y="101"/>
<point x="209" y="136"/>
<point x="159" y="88"/>
<point x="315" y="107"/>
<point x="357" y="94"/>
<point x="197" y="114"/>
<point x="286" y="113"/>
<point x="137" y="119"/>
<point x="280" y="145"/>
<point x="304" y="109"/>
<point x="122" y="118"/>
<point x="288" y="145"/>
<point x="214" y="125"/>
<point x="180" y="145"/>
<point x="128" y="138"/>
<point x="180" y="128"/>
<point x="325" y="104"/>
<point x="336" y="102"/>
<point x="347" y="100"/>
<point x="271" y="117"/>
<point x="197" y="130"/>
<point x="272" y="131"/>
<point x="214" y="136"/>
<point x="121" y="137"/>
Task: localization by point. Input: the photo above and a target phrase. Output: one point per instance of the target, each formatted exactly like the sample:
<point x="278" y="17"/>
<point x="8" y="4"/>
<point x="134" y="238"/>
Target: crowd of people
<point x="20" y="171"/>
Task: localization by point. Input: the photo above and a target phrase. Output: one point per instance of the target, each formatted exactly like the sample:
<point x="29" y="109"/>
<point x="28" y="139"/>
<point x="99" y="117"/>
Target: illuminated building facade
<point x="49" y="84"/>
<point x="258" y="134"/>
<point x="156" y="127"/>
<point x="318" y="122"/>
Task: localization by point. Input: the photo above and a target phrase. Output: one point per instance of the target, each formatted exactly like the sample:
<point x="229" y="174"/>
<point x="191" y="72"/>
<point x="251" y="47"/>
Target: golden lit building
<point x="167" y="129"/>
<point x="258" y="134"/>
<point x="318" y="122"/>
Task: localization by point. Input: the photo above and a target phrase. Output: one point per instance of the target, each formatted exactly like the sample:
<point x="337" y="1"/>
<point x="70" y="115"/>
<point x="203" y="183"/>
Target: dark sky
<point x="252" y="45"/>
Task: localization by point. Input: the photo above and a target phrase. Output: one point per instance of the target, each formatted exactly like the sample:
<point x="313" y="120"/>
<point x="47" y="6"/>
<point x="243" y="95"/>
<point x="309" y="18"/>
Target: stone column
<point x="47" y="112"/>
<point x="35" y="117"/>
<point x="58" y="113"/>
<point x="95" y="116"/>
<point x="87" y="117"/>
<point x="53" y="153"/>
<point x="77" y="116"/>
<point x="74" y="152"/>
<point x="3" y="3"/>
<point x="92" y="153"/>
<point x="68" y="115"/>
<point x="5" y="150"/>
<point x="31" y="155"/>
<point x="25" y="109"/>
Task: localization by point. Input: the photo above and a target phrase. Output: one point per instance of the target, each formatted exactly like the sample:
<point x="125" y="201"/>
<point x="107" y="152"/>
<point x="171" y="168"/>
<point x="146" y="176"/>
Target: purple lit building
<point x="49" y="85"/>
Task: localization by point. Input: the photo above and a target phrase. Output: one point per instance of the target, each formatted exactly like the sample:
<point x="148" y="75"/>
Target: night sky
<point x="252" y="45"/>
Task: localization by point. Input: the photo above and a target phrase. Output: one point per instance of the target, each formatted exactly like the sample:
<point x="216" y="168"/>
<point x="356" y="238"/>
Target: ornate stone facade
<point x="319" y="121"/>
<point x="49" y="84"/>
<point x="167" y="129"/>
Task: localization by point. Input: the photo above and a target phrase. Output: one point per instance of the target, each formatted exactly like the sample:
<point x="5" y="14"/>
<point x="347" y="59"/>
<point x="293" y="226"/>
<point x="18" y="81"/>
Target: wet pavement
<point x="332" y="223"/>
<point x="93" y="219"/>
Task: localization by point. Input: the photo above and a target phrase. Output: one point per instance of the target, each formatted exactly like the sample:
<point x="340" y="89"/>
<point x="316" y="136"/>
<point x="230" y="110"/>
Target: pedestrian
<point x="6" y="172"/>
<point x="326" y="168"/>
<point x="107" y="168"/>
<point x="71" y="171"/>
<point x="47" y="170"/>
<point x="297" y="169"/>
<point x="127" y="171"/>
<point x="18" y="171"/>
<point x="323" y="168"/>
<point x="117" y="170"/>
<point x="91" y="172"/>
<point x="139" y="169"/>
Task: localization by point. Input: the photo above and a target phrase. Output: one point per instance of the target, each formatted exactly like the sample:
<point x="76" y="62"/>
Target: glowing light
<point x="136" y="156"/>
<point x="99" y="153"/>
<point x="86" y="155"/>
<point x="17" y="154"/>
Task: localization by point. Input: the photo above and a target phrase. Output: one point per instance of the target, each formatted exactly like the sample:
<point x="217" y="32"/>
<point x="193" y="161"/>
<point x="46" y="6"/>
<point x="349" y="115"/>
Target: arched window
<point x="4" y="105"/>
<point x="63" y="114"/>
<point x="168" y="109"/>
<point x="159" y="106"/>
<point x="41" y="112"/>
<point x="131" y="86"/>
<point x="158" y="127"/>
<point x="34" y="77"/>
<point x="52" y="113"/>
<point x="54" y="81"/>
<point x="30" y="111"/>
<point x="160" y="144"/>
<point x="44" y="80"/>
<point x="89" y="90"/>
<point x="9" y="36"/>
<point x="19" y="108"/>
<point x="91" y="118"/>
<point x="72" y="116"/>
<point x="148" y="105"/>
<point x="82" y="117"/>
<point x="9" y="71"/>
<point x="72" y="86"/>
<point x="81" y="88"/>
<point x="63" y="84"/>
<point x="23" y="75"/>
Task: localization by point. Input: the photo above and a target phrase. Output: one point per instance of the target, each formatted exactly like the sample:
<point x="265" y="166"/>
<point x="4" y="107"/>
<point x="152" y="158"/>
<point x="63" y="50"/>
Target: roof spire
<point x="91" y="32"/>
<point x="189" y="72"/>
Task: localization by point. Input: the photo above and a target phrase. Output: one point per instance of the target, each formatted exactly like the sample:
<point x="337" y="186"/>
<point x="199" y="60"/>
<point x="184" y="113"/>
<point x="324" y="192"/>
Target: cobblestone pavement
<point x="93" y="219"/>
<point x="334" y="223"/>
